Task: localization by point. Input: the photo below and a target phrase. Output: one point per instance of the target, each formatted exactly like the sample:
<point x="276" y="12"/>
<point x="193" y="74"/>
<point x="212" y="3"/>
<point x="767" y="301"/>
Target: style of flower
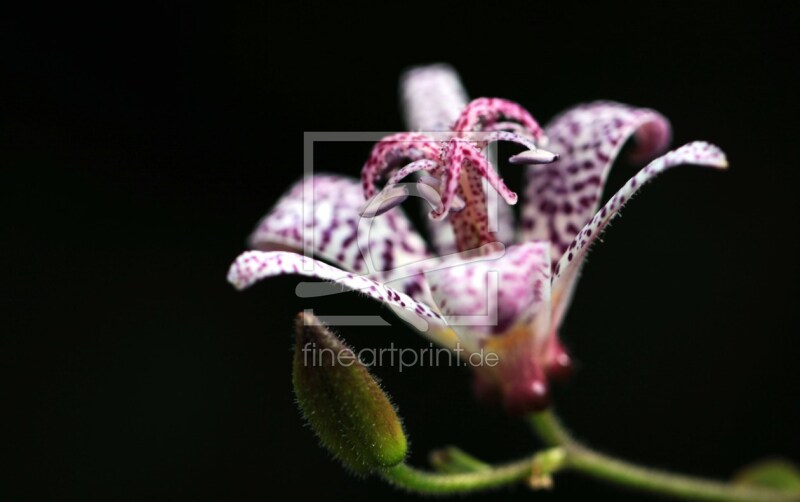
<point x="530" y="271"/>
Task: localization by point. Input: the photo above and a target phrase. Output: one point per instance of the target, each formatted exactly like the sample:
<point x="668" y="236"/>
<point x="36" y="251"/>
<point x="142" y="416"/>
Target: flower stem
<point x="416" y="480"/>
<point x="601" y="466"/>
<point x="462" y="473"/>
<point x="452" y="460"/>
<point x="476" y="475"/>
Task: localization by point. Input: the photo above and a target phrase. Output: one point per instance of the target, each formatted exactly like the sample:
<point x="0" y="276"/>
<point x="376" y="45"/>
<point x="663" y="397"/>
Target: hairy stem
<point x="415" y="480"/>
<point x="462" y="473"/>
<point x="598" y="465"/>
<point x="453" y="460"/>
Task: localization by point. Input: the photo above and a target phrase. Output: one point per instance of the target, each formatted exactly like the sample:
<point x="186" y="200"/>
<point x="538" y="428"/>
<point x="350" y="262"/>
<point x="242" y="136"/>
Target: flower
<point x="487" y="287"/>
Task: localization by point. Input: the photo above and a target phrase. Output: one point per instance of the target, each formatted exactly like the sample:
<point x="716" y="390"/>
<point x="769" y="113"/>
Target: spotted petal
<point x="433" y="97"/>
<point x="566" y="270"/>
<point x="490" y="294"/>
<point x="335" y="232"/>
<point x="561" y="197"/>
<point x="501" y="303"/>
<point x="253" y="266"/>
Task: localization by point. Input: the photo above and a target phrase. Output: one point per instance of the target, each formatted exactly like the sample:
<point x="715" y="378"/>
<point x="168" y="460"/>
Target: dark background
<point x="140" y="145"/>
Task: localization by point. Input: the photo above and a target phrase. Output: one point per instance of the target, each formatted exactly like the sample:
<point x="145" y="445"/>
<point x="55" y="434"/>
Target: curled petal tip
<point x="235" y="280"/>
<point x="537" y="156"/>
<point x="719" y="155"/>
<point x="236" y="276"/>
<point x="701" y="153"/>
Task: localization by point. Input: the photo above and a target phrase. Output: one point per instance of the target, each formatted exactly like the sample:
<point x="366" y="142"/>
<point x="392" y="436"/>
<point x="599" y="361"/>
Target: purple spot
<point x="548" y="207"/>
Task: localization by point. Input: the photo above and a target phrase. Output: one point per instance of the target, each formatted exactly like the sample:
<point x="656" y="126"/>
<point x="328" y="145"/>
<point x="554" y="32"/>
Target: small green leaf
<point x="775" y="473"/>
<point x="343" y="402"/>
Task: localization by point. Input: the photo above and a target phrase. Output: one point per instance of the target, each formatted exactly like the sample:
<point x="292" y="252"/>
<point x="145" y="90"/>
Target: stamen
<point x="388" y="198"/>
<point x="391" y="151"/>
<point x="484" y="113"/>
<point x="537" y="156"/>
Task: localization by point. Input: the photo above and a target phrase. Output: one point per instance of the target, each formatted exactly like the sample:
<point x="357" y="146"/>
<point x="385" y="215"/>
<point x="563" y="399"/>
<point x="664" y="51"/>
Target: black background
<point x="140" y="145"/>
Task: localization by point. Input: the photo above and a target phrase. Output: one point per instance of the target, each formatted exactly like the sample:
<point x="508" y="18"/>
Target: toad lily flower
<point x="487" y="287"/>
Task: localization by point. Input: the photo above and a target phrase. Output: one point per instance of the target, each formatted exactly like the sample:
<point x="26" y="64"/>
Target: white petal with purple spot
<point x="566" y="270"/>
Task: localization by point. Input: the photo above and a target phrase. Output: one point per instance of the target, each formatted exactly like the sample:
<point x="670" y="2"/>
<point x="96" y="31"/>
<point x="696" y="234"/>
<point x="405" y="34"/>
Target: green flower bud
<point x="343" y="402"/>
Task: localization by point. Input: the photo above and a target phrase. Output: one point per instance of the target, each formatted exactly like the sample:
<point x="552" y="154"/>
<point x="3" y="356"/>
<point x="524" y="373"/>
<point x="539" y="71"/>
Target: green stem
<point x="567" y="453"/>
<point x="550" y="430"/>
<point x="601" y="466"/>
<point x="416" y="480"/>
<point x="453" y="460"/>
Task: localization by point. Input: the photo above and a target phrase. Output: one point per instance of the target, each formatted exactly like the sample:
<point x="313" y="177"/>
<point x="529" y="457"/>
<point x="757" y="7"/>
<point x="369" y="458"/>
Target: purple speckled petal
<point x="442" y="237"/>
<point x="462" y="287"/>
<point x="566" y="270"/>
<point x="253" y="266"/>
<point x="432" y="96"/>
<point x="507" y="298"/>
<point x="561" y="197"/>
<point x="340" y="236"/>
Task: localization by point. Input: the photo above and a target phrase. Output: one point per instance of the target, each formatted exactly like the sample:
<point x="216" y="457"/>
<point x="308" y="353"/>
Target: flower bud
<point x="343" y="402"/>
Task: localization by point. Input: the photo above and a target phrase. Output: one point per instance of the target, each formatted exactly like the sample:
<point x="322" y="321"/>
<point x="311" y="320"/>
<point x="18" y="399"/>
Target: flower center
<point x="456" y="168"/>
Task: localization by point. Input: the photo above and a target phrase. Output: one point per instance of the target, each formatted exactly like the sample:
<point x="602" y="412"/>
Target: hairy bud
<point x="343" y="402"/>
